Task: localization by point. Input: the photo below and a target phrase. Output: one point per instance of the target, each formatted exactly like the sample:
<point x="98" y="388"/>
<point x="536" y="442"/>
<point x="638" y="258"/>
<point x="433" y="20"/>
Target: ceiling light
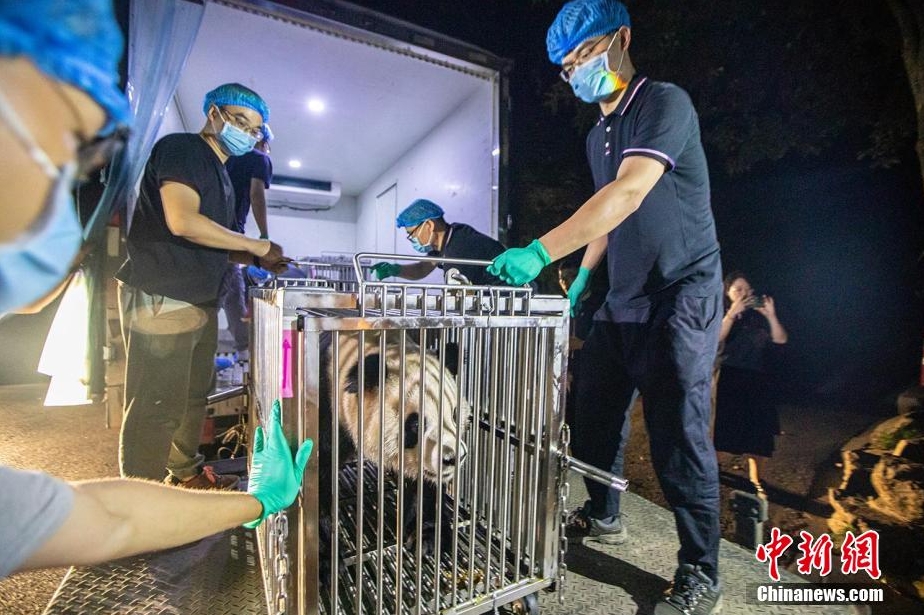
<point x="315" y="105"/>
<point x="495" y="151"/>
<point x="295" y="164"/>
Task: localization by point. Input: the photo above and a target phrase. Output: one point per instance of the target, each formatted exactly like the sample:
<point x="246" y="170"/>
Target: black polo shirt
<point x="462" y="241"/>
<point x="668" y="247"/>
<point x="159" y="262"/>
<point x="241" y="169"/>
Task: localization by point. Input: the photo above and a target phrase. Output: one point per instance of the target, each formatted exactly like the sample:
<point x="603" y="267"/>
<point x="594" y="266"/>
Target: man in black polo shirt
<point x="431" y="235"/>
<point x="657" y="332"/>
<point x="179" y="242"/>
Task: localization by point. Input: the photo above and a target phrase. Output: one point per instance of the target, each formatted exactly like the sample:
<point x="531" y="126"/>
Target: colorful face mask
<point x="35" y="263"/>
<point x="234" y="140"/>
<point x="593" y="80"/>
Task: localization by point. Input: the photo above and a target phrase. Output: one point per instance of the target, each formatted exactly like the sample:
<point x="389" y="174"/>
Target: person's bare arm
<point x="594" y="253"/>
<point x="606" y="209"/>
<point x="778" y="332"/>
<point x="120" y="517"/>
<point x="415" y="271"/>
<point x="181" y="211"/>
<point x="258" y="205"/>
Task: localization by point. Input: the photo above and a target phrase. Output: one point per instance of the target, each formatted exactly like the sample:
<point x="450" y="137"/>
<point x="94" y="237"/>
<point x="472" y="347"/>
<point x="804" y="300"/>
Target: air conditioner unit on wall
<point x="302" y="194"/>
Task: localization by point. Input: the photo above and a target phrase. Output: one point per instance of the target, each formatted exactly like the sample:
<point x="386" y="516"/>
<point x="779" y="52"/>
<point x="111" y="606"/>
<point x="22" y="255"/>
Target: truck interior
<point x="366" y="122"/>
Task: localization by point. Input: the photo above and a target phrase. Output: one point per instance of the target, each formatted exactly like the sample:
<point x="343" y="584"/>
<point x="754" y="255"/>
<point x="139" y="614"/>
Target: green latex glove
<point x="518" y="266"/>
<point x="274" y="479"/>
<point x="386" y="270"/>
<point x="577" y="289"/>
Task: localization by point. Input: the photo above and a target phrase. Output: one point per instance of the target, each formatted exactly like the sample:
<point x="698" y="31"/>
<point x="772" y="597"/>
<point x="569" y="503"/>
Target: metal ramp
<point x="216" y="575"/>
<point x="221" y="575"/>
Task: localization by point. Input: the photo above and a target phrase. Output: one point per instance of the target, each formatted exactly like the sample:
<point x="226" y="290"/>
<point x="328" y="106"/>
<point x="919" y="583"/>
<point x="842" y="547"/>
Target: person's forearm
<point x="727" y="323"/>
<point x="777" y="332"/>
<point x="594" y="253"/>
<point x="258" y="207"/>
<point x="415" y="271"/>
<point x="606" y="209"/>
<point x="121" y="517"/>
<point x="602" y="212"/>
<point x="205" y="232"/>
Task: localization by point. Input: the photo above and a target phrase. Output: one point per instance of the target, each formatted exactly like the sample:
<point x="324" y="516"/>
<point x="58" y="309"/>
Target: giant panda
<point x="442" y="448"/>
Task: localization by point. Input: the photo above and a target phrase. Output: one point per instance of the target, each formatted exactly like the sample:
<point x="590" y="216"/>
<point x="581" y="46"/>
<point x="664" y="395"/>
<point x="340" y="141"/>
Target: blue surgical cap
<point x="419" y="211"/>
<point x="237" y="95"/>
<point x="580" y="20"/>
<point x="77" y="42"/>
<point x="266" y="132"/>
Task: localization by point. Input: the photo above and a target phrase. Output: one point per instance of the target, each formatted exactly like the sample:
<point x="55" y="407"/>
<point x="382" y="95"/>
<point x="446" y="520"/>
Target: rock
<point x="911" y="450"/>
<point x="919" y="587"/>
<point x="857" y="467"/>
<point x="886" y="434"/>
<point x="843" y="518"/>
<point x="910" y="400"/>
<point x="899" y="485"/>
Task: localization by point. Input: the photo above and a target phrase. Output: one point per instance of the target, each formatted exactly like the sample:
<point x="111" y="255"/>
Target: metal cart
<point x="492" y="362"/>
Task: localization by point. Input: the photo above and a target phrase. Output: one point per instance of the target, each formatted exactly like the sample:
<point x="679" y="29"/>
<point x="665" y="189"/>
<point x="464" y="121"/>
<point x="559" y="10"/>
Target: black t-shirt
<point x="241" y="169"/>
<point x="668" y="246"/>
<point x="159" y="262"/>
<point x="465" y="242"/>
<point x="749" y="345"/>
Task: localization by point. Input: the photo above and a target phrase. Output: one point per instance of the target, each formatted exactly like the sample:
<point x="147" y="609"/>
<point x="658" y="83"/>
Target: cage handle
<point x="596" y="474"/>
<point x="411" y="257"/>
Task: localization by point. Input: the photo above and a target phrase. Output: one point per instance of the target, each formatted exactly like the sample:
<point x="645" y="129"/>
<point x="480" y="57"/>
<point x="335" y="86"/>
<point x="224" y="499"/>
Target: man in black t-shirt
<point x="179" y="242"/>
<point x="250" y="177"/>
<point x="431" y="235"/>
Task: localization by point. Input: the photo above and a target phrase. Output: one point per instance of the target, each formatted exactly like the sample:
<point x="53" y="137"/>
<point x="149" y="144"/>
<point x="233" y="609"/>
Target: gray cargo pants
<point x="169" y="370"/>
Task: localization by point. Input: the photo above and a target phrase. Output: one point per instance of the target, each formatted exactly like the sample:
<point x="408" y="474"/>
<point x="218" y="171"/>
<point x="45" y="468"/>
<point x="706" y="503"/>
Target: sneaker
<point x="206" y="479"/>
<point x="691" y="593"/>
<point x="583" y="527"/>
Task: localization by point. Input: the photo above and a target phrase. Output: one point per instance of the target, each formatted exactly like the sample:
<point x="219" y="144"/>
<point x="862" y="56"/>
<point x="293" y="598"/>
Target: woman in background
<point x="750" y="343"/>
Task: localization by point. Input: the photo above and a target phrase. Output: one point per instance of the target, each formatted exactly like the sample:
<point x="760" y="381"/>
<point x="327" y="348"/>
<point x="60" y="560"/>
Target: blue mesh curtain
<point x="161" y="35"/>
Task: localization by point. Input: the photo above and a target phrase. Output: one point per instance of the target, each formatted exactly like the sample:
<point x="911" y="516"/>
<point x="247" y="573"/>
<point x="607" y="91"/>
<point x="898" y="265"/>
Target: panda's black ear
<point x="370" y="375"/>
<point x="411" y="430"/>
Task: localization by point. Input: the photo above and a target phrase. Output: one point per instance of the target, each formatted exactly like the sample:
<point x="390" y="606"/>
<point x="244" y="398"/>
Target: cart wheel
<point x="527" y="605"/>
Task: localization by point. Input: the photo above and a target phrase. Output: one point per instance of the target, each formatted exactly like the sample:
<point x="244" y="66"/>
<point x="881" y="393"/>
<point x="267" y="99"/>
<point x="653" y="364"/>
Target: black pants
<point x="668" y="358"/>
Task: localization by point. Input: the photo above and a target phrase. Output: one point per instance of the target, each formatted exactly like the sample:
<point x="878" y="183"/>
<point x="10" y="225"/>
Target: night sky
<point x="808" y="126"/>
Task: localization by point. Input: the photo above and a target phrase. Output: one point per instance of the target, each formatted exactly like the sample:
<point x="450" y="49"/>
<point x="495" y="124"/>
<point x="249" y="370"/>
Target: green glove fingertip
<point x="258" y="440"/>
<point x="277" y="411"/>
<point x="301" y="458"/>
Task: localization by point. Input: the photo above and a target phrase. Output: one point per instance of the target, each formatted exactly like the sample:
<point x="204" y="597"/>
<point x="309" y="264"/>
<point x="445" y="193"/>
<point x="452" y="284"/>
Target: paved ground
<point x="74" y="444"/>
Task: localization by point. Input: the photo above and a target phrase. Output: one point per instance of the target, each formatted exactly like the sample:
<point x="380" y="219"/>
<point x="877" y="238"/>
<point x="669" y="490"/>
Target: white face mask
<point x="35" y="262"/>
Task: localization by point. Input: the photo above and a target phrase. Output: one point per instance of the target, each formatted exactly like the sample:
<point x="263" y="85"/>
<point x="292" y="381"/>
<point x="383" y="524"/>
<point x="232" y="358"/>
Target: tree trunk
<point x="909" y="14"/>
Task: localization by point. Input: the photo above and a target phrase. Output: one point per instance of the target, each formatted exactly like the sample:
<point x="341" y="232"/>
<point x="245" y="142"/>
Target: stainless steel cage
<point x="393" y="528"/>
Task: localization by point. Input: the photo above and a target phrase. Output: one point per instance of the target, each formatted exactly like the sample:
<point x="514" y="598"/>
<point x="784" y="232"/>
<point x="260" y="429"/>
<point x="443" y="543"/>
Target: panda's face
<point x="422" y="398"/>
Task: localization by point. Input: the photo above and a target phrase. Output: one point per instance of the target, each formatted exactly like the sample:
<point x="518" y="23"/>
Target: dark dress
<point x="746" y="416"/>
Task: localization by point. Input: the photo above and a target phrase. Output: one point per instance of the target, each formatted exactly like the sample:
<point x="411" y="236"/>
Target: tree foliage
<point x="909" y="15"/>
<point x="775" y="79"/>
